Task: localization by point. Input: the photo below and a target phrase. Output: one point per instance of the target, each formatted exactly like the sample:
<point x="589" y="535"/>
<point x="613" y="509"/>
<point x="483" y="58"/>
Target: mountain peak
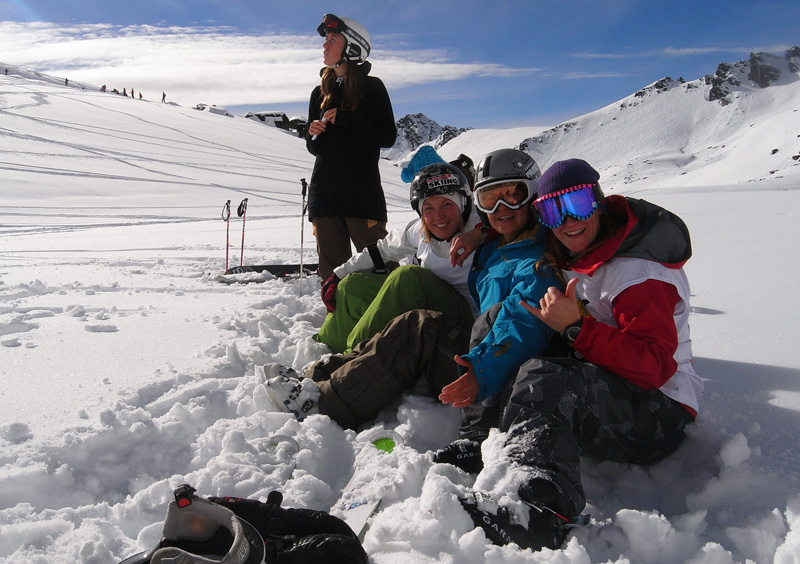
<point x="415" y="130"/>
<point x="760" y="70"/>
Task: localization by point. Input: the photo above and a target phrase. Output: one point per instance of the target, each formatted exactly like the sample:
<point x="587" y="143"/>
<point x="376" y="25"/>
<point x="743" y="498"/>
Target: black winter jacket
<point x="346" y="181"/>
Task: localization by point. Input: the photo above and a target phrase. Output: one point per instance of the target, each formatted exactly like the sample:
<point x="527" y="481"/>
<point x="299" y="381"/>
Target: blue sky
<point x="466" y="64"/>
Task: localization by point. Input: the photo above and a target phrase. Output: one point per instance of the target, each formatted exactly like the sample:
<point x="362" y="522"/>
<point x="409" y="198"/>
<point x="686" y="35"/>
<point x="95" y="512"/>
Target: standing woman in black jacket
<point x="350" y="118"/>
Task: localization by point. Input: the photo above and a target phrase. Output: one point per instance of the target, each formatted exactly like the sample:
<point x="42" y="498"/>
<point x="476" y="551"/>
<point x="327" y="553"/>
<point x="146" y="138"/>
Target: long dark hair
<point x="349" y="94"/>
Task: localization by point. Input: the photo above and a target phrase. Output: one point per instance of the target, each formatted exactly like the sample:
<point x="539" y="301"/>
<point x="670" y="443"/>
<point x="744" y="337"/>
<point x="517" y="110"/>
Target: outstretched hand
<point x="464" y="391"/>
<point x="557" y="309"/>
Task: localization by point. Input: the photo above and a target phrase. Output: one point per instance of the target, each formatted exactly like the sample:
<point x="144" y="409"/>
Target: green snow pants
<point x="367" y="302"/>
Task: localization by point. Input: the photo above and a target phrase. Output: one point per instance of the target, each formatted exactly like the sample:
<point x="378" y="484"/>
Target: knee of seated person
<point x="344" y="283"/>
<point x="407" y="274"/>
<point x="353" y="283"/>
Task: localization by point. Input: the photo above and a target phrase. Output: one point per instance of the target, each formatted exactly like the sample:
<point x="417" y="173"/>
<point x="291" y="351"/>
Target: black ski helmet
<point x="357" y="40"/>
<point x="438" y="179"/>
<point x="507" y="165"/>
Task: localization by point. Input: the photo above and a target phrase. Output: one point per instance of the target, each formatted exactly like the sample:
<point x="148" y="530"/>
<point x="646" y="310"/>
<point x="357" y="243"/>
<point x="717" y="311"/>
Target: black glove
<point x="329" y="292"/>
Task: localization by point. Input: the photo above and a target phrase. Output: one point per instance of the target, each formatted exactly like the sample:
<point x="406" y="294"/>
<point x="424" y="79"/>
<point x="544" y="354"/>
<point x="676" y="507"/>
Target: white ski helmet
<point x="357" y="40"/>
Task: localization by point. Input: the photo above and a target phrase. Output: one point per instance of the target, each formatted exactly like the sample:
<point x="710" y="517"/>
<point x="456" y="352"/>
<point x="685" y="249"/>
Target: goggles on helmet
<point x="331" y="24"/>
<point x="513" y="194"/>
<point x="577" y="201"/>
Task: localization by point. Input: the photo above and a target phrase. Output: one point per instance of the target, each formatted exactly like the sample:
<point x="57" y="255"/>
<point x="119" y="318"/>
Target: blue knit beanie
<point x="566" y="174"/>
<point x="424" y="156"/>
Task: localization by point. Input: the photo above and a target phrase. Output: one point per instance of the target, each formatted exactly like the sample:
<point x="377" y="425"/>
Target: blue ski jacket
<point x="507" y="275"/>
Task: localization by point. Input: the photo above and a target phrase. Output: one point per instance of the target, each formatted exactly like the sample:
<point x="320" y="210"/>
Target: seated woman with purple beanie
<point x="626" y="389"/>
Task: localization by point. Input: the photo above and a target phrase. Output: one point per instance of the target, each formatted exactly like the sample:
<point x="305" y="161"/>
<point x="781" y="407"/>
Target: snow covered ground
<point x="125" y="369"/>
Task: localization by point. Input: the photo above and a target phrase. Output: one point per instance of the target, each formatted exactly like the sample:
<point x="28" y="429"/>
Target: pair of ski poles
<point x="226" y="216"/>
<point x="242" y="212"/>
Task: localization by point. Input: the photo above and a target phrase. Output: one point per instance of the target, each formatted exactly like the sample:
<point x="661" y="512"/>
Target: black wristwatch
<point x="571" y="332"/>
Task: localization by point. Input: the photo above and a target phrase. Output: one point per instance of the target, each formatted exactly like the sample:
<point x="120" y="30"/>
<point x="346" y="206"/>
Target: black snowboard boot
<point x="545" y="528"/>
<point x="464" y="453"/>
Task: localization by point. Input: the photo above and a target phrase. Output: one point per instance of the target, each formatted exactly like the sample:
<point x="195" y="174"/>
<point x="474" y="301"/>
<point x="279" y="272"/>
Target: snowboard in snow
<point x="275" y="269"/>
<point x="233" y="274"/>
<point x="357" y="515"/>
<point x="357" y="505"/>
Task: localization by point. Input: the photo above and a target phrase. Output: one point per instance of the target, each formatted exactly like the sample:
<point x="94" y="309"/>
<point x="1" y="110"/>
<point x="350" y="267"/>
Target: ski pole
<point x="302" y="226"/>
<point x="242" y="211"/>
<point x="226" y="216"/>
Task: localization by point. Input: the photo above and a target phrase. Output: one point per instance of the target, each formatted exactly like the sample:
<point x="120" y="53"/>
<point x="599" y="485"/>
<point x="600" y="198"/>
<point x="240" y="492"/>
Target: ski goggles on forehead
<point x="513" y="195"/>
<point x="331" y="24"/>
<point x="577" y="201"/>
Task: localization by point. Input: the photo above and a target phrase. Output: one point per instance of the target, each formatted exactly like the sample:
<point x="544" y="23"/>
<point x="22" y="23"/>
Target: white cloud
<point x="210" y="64"/>
<point x="681" y="52"/>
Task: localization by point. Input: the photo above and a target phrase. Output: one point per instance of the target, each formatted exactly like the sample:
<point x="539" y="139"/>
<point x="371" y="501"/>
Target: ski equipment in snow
<point x="197" y="530"/>
<point x="289" y="391"/>
<point x="302" y="225"/>
<point x="546" y="528"/>
<point x="298" y="535"/>
<point x="242" y="212"/>
<point x="279" y="270"/>
<point x="383" y="439"/>
<point x="232" y="530"/>
<point x="462" y="453"/>
<point x="226" y="216"/>
<point x="282" y="271"/>
<point x="357" y="509"/>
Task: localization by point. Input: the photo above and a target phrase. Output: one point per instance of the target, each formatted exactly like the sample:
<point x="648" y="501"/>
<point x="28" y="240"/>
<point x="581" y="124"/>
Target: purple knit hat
<point x="566" y="174"/>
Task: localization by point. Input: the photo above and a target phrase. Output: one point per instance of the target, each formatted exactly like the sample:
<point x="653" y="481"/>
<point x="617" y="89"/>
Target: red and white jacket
<point x="636" y="299"/>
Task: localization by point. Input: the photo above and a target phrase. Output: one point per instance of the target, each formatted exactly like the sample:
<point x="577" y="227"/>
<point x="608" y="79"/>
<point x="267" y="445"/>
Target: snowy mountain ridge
<point x="700" y="129"/>
<point x="668" y="117"/>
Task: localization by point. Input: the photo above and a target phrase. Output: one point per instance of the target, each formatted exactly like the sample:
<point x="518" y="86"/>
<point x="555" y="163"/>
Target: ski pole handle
<point x="226" y="211"/>
<point x="242" y="208"/>
<point x="314" y="137"/>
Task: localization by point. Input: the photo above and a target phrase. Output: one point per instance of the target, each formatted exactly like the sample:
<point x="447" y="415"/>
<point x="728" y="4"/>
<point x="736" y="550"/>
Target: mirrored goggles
<point x="577" y="201"/>
<point x="513" y="195"/>
<point x="331" y="24"/>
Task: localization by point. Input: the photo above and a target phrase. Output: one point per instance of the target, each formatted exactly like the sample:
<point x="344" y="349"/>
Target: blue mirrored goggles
<point x="577" y="201"/>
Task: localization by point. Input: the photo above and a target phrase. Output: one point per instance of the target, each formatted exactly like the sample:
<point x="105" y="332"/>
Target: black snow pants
<point x="559" y="408"/>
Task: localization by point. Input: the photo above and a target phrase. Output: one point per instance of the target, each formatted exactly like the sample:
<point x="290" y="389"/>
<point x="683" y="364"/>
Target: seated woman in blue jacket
<point x="353" y="388"/>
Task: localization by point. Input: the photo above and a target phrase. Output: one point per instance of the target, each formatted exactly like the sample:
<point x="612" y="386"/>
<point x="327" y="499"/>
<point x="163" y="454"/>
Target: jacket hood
<point x="647" y="231"/>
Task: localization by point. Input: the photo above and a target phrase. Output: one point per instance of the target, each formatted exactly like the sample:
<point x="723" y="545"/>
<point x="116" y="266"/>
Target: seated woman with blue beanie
<point x="362" y="300"/>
